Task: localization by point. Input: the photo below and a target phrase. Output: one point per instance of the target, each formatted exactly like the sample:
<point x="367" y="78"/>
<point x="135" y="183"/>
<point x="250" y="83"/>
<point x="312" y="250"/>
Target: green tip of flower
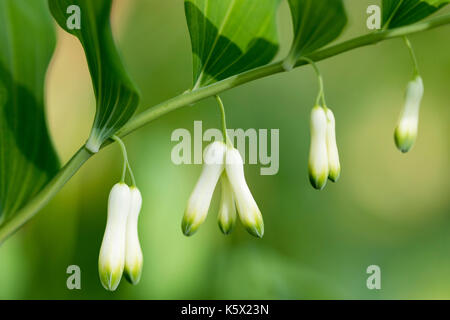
<point x="404" y="142"/>
<point x="226" y="228"/>
<point x="110" y="279"/>
<point x="188" y="227"/>
<point x="333" y="178"/>
<point x="256" y="230"/>
<point x="334" y="175"/>
<point x="253" y="222"/>
<point x="187" y="230"/>
<point x="133" y="274"/>
<point x="318" y="181"/>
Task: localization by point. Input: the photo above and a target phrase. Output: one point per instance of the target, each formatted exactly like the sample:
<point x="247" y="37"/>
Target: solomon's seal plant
<point x="233" y="43"/>
<point x="120" y="250"/>
<point x="222" y="161"/>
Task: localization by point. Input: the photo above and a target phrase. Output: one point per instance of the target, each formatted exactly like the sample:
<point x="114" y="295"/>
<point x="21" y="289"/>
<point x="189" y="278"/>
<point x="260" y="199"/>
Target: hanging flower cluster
<point x="121" y="252"/>
<point x="224" y="162"/>
<point x="323" y="162"/>
<point x="323" y="153"/>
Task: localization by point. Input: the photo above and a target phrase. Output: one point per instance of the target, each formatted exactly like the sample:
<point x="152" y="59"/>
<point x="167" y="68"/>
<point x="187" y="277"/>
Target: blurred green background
<point x="388" y="209"/>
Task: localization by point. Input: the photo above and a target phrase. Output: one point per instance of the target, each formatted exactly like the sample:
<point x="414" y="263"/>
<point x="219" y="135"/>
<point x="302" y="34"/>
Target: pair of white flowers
<point x="121" y="251"/>
<point x="225" y="163"/>
<point x="406" y="131"/>
<point x="323" y="154"/>
<point x="324" y="157"/>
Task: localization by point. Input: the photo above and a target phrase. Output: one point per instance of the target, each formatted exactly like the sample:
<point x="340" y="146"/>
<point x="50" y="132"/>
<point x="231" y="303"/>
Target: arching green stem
<point x="224" y="120"/>
<point x="126" y="163"/>
<point x="413" y="55"/>
<point x="321" y="94"/>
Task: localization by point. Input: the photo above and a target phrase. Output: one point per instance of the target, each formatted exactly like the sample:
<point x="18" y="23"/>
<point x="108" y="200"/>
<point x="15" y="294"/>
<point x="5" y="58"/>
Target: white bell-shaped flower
<point x="112" y="252"/>
<point x="334" y="166"/>
<point x="227" y="210"/>
<point x="200" y="199"/>
<point x="406" y="130"/>
<point x="318" y="155"/>
<point x="133" y="251"/>
<point x="248" y="210"/>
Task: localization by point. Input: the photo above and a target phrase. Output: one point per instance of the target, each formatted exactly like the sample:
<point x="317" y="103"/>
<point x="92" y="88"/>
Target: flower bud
<point x="227" y="211"/>
<point x="334" y="167"/>
<point x="318" y="156"/>
<point x="200" y="199"/>
<point x="248" y="210"/>
<point x="112" y="252"/>
<point x="406" y="130"/>
<point x="133" y="251"/>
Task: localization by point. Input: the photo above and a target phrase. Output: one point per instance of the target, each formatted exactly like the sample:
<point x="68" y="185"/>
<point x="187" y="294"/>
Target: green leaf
<point x="397" y="13"/>
<point x="316" y="24"/>
<point x="230" y="36"/>
<point x="27" y="158"/>
<point x="117" y="96"/>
